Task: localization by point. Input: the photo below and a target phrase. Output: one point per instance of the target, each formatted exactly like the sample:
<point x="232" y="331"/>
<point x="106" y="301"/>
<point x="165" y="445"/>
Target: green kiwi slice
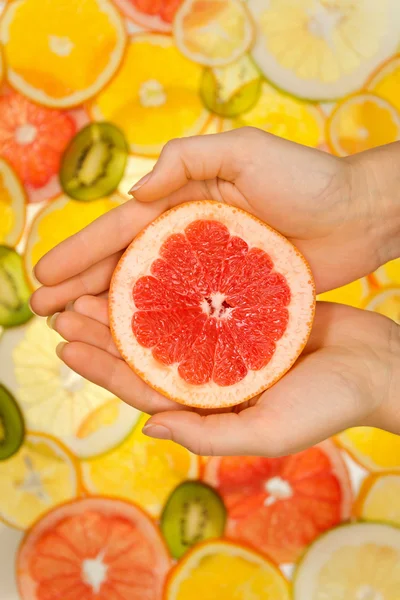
<point x="194" y="512"/>
<point x="12" y="428"/>
<point x="94" y="162"/>
<point x="14" y="289"/>
<point x="232" y="90"/>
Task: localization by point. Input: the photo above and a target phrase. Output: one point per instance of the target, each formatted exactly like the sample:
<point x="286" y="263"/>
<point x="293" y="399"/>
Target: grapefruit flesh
<point x="93" y="548"/>
<point x="280" y="505"/>
<point x="211" y="306"/>
<point x="155" y="15"/>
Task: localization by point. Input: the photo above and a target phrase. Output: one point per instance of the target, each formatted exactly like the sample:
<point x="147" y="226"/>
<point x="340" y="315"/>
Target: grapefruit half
<point x="210" y="306"/>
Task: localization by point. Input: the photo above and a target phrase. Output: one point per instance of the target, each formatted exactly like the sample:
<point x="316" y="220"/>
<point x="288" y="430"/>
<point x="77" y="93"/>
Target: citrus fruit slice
<point x="193" y="513"/>
<point x="57" y="221"/>
<point x="14" y="289"/>
<point x="374" y="449"/>
<point x="284" y="116"/>
<point x="209" y="305"/>
<point x="141" y="470"/>
<point x="12" y="428"/>
<point x="353" y="294"/>
<point x="280" y="505"/>
<point x="213" y="32"/>
<point x="155" y="95"/>
<point x="232" y="90"/>
<point x="360" y="561"/>
<point x="223" y="570"/>
<point x="12" y="206"/>
<point x="33" y="138"/>
<point x="378" y="499"/>
<point x="361" y="122"/>
<point x="93" y="549"/>
<point x="386" y="302"/>
<point x="322" y="50"/>
<point x="385" y="81"/>
<point x="60" y="66"/>
<point x="94" y="162"/>
<point x="54" y="399"/>
<point x="39" y="476"/>
<point x="156" y="15"/>
<point x="389" y="273"/>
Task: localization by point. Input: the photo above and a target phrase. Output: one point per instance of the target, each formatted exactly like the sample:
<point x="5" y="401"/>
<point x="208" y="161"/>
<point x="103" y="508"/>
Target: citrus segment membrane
<point x="205" y="315"/>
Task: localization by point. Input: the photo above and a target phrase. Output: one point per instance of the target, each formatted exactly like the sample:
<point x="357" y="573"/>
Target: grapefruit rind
<point x="136" y="263"/>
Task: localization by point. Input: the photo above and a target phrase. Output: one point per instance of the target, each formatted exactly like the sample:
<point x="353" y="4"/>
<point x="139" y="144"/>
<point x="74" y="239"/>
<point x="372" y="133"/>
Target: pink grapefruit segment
<point x="281" y="505"/>
<point x="210" y="305"/>
<point x="156" y="15"/>
<point x="93" y="549"/>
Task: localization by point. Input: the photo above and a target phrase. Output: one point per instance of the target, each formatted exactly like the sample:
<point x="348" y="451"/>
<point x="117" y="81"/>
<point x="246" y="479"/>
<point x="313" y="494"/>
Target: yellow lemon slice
<point x="225" y="571"/>
<point x="389" y="273"/>
<point x="374" y="449"/>
<point x="141" y="469"/>
<point x="360" y="561"/>
<point x="361" y="122"/>
<point x="213" y="32"/>
<point x="58" y="220"/>
<point x="320" y="49"/>
<point x="12" y="206"/>
<point x="40" y="476"/>
<point x="385" y="82"/>
<point x="284" y="116"/>
<point x="155" y="95"/>
<point x="72" y="52"/>
<point x="386" y="302"/>
<point x="352" y="294"/>
<point x="378" y="499"/>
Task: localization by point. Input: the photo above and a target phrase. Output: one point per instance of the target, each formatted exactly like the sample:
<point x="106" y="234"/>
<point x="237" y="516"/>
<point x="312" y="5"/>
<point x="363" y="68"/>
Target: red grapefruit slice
<point x="280" y="505"/>
<point x="156" y="15"/>
<point x="93" y="549"/>
<point x="210" y="306"/>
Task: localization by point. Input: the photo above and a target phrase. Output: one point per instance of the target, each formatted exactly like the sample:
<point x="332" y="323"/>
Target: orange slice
<point x="60" y="65"/>
<point x="12" y="206"/>
<point x="385" y="81"/>
<point x="93" y="549"/>
<point x="154" y="96"/>
<point x="361" y="122"/>
<point x="378" y="499"/>
<point x="213" y="32"/>
<point x="225" y="571"/>
<point x="374" y="449"/>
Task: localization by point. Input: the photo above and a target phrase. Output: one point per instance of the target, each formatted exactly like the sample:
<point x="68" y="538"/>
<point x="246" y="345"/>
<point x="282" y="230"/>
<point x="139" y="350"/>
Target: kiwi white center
<point x="278" y="489"/>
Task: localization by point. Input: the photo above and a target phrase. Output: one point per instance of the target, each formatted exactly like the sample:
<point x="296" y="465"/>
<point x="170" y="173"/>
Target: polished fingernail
<point x="60" y="348"/>
<point x="157" y="431"/>
<point x="140" y="183"/>
<point x="51" y="320"/>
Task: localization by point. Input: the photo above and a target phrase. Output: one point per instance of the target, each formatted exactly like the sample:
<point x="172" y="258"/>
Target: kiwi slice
<point x="94" y="162"/>
<point x="232" y="90"/>
<point x="12" y="428"/>
<point x="194" y="512"/>
<point x="14" y="289"/>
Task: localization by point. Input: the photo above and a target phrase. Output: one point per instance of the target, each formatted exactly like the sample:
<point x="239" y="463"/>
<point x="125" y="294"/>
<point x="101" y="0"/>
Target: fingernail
<point x="60" y="348"/>
<point x="157" y="431"/>
<point x="30" y="307"/>
<point x="51" y="320"/>
<point x="140" y="183"/>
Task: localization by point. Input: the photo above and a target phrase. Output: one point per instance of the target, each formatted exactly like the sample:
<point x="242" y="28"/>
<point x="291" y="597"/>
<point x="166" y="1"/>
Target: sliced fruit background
<point x="88" y="98"/>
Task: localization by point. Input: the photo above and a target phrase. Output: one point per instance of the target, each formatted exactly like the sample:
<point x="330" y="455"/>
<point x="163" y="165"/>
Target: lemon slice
<point x="141" y="469"/>
<point x="352" y="294"/>
<point x="320" y="49"/>
<point x="386" y="302"/>
<point x="41" y="475"/>
<point x="389" y="273"/>
<point x="378" y="499"/>
<point x="12" y="206"/>
<point x="225" y="571"/>
<point x="385" y="82"/>
<point x="360" y="561"/>
<point x="374" y="449"/>
<point x="74" y="52"/>
<point x="213" y="32"/>
<point x="361" y="122"/>
<point x="155" y="95"/>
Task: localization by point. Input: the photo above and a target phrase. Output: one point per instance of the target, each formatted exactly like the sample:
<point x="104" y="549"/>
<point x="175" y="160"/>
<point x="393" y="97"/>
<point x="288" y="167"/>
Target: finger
<point x="114" y="375"/>
<point x="96" y="279"/>
<point x="95" y="307"/>
<point x="107" y="235"/>
<point x="74" y="327"/>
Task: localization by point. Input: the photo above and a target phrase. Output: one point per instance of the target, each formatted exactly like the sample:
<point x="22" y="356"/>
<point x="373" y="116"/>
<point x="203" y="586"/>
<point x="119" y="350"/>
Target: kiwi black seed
<point x="14" y="289"/>
<point x="12" y="429"/>
<point x="94" y="162"/>
<point x="194" y="512"/>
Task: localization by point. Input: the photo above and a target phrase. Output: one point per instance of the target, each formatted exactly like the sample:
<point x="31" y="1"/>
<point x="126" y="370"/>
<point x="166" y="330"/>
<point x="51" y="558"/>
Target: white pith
<point x="137" y="262"/>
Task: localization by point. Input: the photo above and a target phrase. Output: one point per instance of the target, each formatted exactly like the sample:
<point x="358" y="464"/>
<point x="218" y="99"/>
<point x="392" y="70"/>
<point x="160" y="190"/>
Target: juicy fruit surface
<point x="59" y="559"/>
<point x="12" y="429"/>
<point x="280" y="505"/>
<point x="212" y="304"/>
<point x="154" y="14"/>
<point x="12" y="205"/>
<point x="14" y="290"/>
